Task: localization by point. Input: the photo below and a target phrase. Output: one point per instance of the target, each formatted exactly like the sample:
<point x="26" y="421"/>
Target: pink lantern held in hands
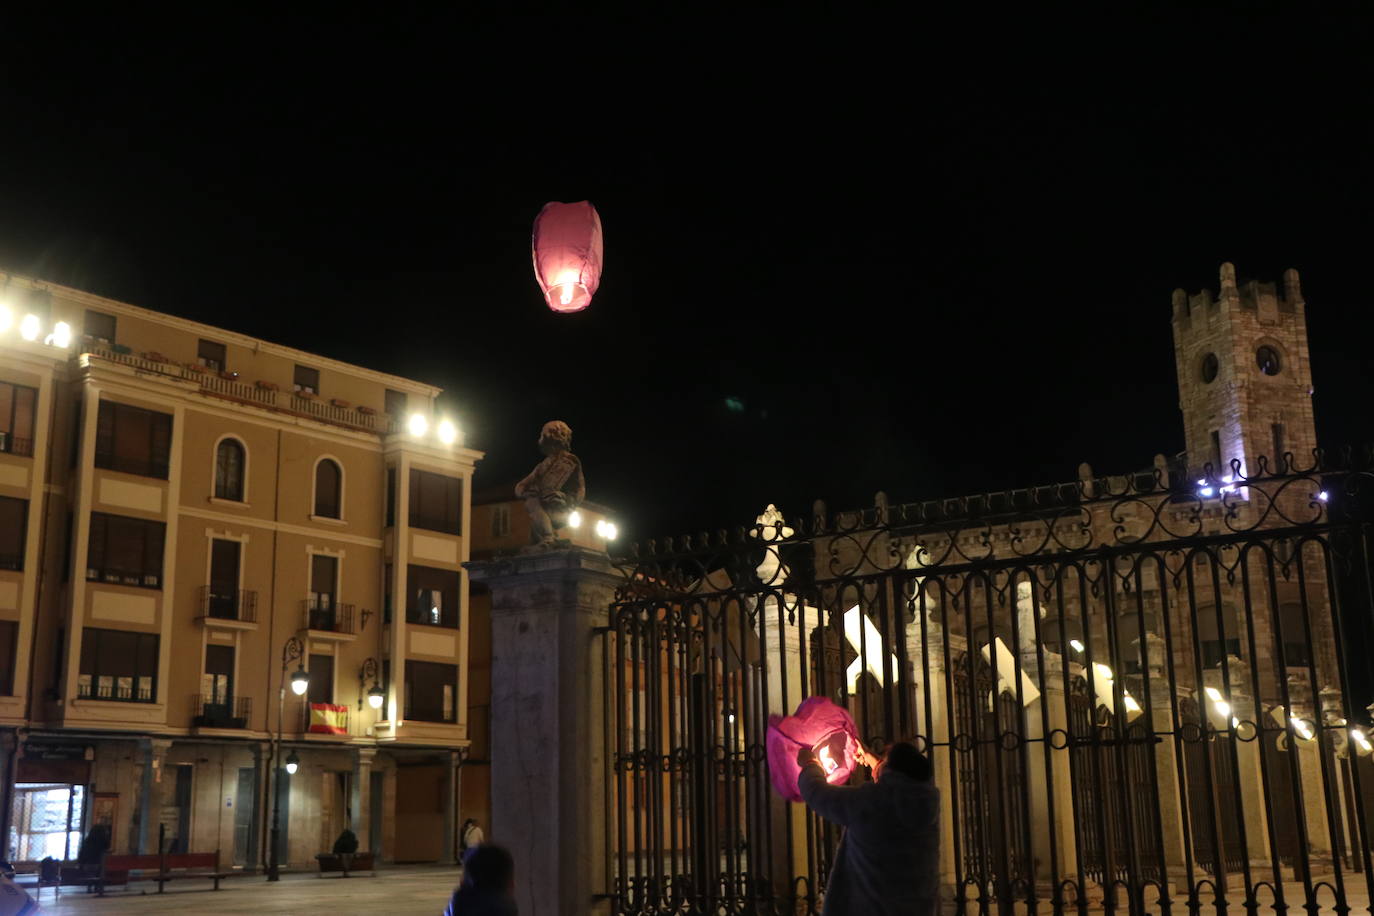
<point x="566" y="244"/>
<point x="820" y="725"/>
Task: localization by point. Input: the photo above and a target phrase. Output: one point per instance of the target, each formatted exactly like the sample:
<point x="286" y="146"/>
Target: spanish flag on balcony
<point x="328" y="719"/>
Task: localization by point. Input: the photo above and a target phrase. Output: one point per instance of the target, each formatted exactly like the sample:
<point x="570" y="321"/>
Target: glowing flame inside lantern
<point x="566" y="246"/>
<point x="822" y="727"/>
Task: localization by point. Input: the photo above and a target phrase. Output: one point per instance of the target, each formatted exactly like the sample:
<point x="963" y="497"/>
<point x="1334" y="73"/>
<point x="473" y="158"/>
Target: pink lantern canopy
<point x="566" y="244"/>
<point x="820" y="725"/>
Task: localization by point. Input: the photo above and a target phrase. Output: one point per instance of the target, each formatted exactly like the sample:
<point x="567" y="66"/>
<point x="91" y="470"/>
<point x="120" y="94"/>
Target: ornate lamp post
<point x="294" y="649"/>
<point x="376" y="695"/>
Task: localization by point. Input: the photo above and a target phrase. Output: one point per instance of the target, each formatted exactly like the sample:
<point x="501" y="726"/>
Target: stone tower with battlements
<point x="1244" y="375"/>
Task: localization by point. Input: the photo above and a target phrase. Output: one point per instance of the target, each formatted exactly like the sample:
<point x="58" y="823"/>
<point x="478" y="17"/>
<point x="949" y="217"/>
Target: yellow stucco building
<point x="177" y="502"/>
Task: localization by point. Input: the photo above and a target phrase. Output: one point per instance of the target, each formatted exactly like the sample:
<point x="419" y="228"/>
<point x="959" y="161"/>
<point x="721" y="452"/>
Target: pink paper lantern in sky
<point x="820" y="725"/>
<point x="566" y="244"/>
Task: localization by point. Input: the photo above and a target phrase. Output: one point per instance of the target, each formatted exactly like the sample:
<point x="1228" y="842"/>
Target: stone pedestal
<point x="547" y="689"/>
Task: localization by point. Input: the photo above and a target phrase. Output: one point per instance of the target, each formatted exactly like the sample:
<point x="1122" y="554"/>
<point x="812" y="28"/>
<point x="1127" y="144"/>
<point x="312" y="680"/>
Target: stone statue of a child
<point x="555" y="487"/>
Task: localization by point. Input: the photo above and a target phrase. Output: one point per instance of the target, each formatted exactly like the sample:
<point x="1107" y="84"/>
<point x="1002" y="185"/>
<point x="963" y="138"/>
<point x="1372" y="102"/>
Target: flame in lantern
<point x="827" y="762"/>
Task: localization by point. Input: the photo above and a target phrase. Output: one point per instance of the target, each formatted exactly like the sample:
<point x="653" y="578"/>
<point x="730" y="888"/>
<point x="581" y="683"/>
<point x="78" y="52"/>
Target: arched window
<point x="229" y="463"/>
<point x="1296" y="653"/>
<point x="328" y="489"/>
<point x="1214" y="643"/>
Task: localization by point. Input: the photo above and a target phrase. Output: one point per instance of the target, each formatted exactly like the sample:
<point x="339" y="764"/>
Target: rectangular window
<point x="431" y="690"/>
<point x="211" y="355"/>
<point x="118" y="665"/>
<point x="395" y="403"/>
<point x="217" y="683"/>
<point x="436" y="502"/>
<point x="100" y="326"/>
<point x="500" y="521"/>
<point x="1217" y="470"/>
<point x="390" y="496"/>
<point x="1277" y="462"/>
<point x="14" y="515"/>
<point x="224" y="579"/>
<point x="133" y="440"/>
<point x="388" y="585"/>
<point x="17" y="407"/>
<point x="321" y="679"/>
<point x="324" y="577"/>
<point x="432" y="596"/>
<point x="125" y="551"/>
<point x="307" y="379"/>
<point x="9" y="634"/>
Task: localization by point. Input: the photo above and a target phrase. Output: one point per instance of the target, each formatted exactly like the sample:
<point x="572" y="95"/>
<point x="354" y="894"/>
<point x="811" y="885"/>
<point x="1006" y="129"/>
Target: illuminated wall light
<point x="418" y="424"/>
<point x="1304" y="729"/>
<point x="574" y="519"/>
<point x="448" y="433"/>
<point x="28" y="328"/>
<point x="1077" y="646"/>
<point x="1218" y="703"/>
<point x="606" y="530"/>
<point x="1323" y="496"/>
<point x="1362" y="740"/>
<point x="61" y="335"/>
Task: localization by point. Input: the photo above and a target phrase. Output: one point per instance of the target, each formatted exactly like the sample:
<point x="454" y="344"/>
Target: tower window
<point x="1209" y="368"/>
<point x="1280" y="464"/>
<point x="1216" y="452"/>
<point x="1267" y="358"/>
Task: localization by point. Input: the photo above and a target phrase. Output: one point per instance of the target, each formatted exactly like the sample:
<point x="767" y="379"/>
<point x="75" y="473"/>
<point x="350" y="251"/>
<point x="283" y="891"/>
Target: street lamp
<point x="293" y="650"/>
<point x="376" y="695"/>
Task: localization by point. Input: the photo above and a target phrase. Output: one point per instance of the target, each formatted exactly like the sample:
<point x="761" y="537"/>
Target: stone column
<point x="151" y="751"/>
<point x="939" y="729"/>
<point x="450" y="853"/>
<point x="547" y="688"/>
<point x="360" y="804"/>
<point x="1168" y="752"/>
<point x="259" y="793"/>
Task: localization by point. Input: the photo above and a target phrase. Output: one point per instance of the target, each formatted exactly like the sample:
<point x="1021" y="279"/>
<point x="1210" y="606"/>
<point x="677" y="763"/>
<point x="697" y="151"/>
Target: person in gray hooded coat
<point x="889" y="859"/>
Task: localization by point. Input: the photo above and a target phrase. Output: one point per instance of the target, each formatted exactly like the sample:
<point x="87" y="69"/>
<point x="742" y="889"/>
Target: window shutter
<point x="96" y="552"/>
<point x="161" y="445"/>
<point x="105" y="430"/>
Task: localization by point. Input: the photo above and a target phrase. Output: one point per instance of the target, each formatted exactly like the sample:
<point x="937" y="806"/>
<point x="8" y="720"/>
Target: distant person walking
<point x="889" y="859"/>
<point x="472" y="834"/>
<point x="488" y="884"/>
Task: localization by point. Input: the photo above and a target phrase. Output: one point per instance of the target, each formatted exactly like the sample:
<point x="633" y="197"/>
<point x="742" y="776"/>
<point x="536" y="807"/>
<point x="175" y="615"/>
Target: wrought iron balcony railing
<point x="119" y="689"/>
<point x="13" y="445"/>
<point x="221" y="711"/>
<point x="328" y="616"/>
<point x="233" y="604"/>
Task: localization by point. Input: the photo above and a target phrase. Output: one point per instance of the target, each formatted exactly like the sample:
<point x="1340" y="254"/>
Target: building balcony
<point x="328" y="619"/>
<point x="236" y="609"/>
<point x="266" y="396"/>
<point x="13" y="445"/>
<point x="222" y="712"/>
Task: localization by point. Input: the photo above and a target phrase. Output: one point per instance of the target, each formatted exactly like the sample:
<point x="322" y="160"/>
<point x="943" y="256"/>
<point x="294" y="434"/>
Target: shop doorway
<point x="46" y="820"/>
<point x="419" y="814"/>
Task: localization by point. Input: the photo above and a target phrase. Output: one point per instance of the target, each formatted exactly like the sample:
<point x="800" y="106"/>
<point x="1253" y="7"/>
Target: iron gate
<point x="1135" y="695"/>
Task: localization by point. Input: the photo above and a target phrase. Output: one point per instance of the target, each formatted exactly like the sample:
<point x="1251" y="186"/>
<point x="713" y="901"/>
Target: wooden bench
<point x="121" y="869"/>
<point x="191" y="865"/>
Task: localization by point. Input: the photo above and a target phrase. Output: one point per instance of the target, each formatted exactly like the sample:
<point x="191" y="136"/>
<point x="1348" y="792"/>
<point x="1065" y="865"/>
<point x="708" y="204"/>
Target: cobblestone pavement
<point x="413" y="891"/>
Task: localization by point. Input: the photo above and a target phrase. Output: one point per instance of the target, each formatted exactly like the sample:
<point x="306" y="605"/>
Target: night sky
<point x="844" y="252"/>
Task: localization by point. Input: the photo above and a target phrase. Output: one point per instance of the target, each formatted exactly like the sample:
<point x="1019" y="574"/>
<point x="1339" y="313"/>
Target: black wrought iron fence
<point x="1137" y="694"/>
